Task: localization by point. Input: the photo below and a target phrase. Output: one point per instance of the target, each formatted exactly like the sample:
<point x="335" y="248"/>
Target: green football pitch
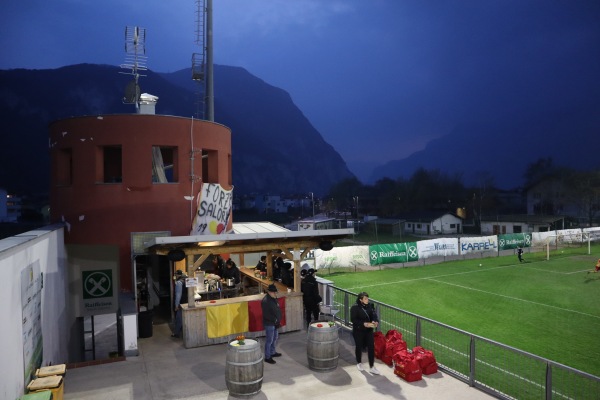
<point x="550" y="308"/>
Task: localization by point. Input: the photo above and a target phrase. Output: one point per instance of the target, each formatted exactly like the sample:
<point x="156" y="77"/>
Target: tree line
<point x="436" y="190"/>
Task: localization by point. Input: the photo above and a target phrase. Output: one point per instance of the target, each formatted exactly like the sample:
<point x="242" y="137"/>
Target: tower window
<point x="164" y="164"/>
<point x="112" y="165"/>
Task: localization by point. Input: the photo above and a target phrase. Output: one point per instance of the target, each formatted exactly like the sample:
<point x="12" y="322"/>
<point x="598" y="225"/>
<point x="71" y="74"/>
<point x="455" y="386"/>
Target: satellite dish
<point x="132" y="93"/>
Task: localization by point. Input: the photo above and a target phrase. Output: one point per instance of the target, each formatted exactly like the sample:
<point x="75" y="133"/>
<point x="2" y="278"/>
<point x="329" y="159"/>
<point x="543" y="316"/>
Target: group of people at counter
<point x="363" y="316"/>
<point x="225" y="269"/>
<point x="282" y="270"/>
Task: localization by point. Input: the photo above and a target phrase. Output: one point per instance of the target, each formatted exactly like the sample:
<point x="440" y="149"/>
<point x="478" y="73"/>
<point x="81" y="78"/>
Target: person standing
<point x="277" y="268"/>
<point x="520" y="254"/>
<point x="231" y="271"/>
<point x="181" y="297"/>
<point x="217" y="265"/>
<point x="271" y="321"/>
<point x="364" y="321"/>
<point x="310" y="296"/>
<point x="262" y="264"/>
<point x="286" y="275"/>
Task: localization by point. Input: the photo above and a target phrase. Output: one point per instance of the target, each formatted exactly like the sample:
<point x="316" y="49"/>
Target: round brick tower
<point x="117" y="174"/>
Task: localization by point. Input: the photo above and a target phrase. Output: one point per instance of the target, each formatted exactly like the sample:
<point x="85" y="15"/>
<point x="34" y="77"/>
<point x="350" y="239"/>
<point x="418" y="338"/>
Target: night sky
<point x="396" y="73"/>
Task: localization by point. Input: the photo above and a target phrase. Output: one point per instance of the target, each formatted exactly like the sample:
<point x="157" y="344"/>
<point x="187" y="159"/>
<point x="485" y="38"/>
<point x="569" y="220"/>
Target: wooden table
<point x="250" y="280"/>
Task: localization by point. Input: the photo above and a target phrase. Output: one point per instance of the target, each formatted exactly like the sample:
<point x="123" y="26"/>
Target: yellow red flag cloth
<point x="227" y="319"/>
<point x="255" y="314"/>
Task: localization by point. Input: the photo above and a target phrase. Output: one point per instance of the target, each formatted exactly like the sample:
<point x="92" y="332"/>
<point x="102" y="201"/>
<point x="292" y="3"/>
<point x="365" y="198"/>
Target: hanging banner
<point x="514" y="240"/>
<point x="393" y="253"/>
<point x="542" y="238"/>
<point x="478" y="244"/>
<point x="569" y="236"/>
<point x="342" y="257"/>
<point x="213" y="209"/>
<point x="441" y="247"/>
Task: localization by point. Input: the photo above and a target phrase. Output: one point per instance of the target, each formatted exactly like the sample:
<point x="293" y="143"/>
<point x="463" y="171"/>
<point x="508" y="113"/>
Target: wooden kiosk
<point x="264" y="237"/>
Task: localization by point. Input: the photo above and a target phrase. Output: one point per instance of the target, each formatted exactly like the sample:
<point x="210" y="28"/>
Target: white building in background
<point x="432" y="223"/>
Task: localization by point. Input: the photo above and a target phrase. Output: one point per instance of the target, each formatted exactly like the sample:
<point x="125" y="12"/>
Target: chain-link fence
<point x="497" y="369"/>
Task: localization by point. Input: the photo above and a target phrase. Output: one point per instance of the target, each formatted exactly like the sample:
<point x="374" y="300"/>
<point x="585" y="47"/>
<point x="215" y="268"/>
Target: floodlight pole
<point x="312" y="200"/>
<point x="355" y="198"/>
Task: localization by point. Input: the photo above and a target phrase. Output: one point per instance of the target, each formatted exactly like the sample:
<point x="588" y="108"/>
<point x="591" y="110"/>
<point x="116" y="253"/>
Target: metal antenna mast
<point x="135" y="61"/>
<point x="202" y="62"/>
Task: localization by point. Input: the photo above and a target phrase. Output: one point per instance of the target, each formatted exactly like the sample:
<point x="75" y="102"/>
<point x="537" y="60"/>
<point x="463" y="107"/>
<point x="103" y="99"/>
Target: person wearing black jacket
<point x="217" y="266"/>
<point x="231" y="271"/>
<point x="364" y="321"/>
<point x="181" y="297"/>
<point x="271" y="321"/>
<point x="262" y="264"/>
<point x="286" y="275"/>
<point x="310" y="296"/>
<point x="277" y="268"/>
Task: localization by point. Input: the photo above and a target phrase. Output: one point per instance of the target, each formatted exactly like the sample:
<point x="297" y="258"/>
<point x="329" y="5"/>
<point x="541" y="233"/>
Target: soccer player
<point x="520" y="254"/>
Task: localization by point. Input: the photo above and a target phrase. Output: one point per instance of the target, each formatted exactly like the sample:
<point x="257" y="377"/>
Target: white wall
<point x="442" y="225"/>
<point x="44" y="247"/>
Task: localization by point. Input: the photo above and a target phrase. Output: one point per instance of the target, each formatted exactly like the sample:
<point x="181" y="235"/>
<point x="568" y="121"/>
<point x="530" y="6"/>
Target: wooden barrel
<point x="244" y="368"/>
<point x="323" y="346"/>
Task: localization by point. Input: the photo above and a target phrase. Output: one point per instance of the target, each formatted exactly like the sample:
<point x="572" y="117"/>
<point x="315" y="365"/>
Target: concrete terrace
<point x="165" y="369"/>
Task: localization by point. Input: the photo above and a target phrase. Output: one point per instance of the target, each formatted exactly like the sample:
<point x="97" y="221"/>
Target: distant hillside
<point x="275" y="148"/>
<point x="504" y="149"/>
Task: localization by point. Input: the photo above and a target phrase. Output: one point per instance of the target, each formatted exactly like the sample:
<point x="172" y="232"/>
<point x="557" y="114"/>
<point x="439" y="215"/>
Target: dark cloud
<point x="398" y="73"/>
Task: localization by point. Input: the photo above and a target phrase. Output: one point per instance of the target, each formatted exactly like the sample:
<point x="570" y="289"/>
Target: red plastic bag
<point x="380" y="344"/>
<point x="406" y="366"/>
<point x="426" y="360"/>
<point x="393" y="335"/>
<point x="392" y="348"/>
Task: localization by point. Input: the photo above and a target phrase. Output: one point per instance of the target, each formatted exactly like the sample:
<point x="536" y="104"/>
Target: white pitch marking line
<point x="517" y="299"/>
<point x="420" y="279"/>
<point x="577" y="272"/>
<point x="548" y="271"/>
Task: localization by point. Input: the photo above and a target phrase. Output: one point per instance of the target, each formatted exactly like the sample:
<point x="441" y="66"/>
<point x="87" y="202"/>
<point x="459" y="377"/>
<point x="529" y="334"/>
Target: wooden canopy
<point x="248" y="238"/>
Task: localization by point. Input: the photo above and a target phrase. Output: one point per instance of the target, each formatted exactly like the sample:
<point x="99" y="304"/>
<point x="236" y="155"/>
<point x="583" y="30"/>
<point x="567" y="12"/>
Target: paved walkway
<point x="166" y="370"/>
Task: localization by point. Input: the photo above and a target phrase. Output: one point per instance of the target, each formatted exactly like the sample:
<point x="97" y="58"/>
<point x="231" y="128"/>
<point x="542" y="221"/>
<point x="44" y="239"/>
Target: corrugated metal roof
<point x="257" y="227"/>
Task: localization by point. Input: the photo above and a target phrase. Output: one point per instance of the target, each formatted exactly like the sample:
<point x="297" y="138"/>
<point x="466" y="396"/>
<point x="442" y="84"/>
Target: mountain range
<point x="275" y="147"/>
<point x="504" y="148"/>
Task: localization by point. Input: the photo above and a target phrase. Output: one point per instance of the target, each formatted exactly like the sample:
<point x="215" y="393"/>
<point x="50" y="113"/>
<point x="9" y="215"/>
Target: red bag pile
<point x="406" y="366"/>
<point x="426" y="360"/>
<point x="393" y="344"/>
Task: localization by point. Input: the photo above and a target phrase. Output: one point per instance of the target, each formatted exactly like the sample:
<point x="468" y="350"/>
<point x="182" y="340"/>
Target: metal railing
<point x="499" y="370"/>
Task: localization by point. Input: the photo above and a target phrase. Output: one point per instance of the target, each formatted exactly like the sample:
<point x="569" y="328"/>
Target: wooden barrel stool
<point x="244" y="368"/>
<point x="323" y="346"/>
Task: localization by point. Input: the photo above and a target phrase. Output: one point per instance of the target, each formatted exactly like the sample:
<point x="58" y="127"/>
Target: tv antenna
<point x="135" y="61"/>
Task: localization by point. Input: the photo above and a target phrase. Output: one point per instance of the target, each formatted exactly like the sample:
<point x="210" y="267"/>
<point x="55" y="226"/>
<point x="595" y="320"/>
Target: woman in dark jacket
<point x="231" y="271"/>
<point x="364" y="321"/>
